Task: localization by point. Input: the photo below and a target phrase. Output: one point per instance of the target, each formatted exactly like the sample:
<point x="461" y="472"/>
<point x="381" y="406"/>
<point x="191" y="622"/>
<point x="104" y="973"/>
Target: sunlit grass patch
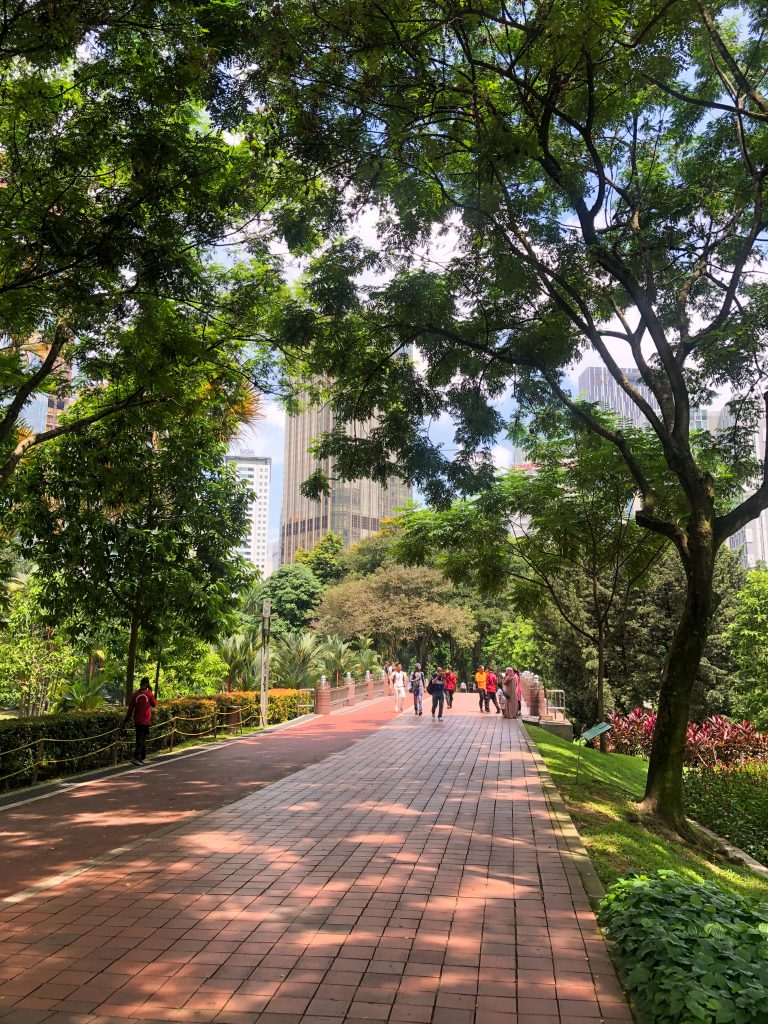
<point x="603" y="805"/>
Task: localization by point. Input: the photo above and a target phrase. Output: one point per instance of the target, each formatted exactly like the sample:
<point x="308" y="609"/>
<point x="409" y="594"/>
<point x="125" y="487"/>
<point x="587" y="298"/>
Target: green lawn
<point x="603" y="809"/>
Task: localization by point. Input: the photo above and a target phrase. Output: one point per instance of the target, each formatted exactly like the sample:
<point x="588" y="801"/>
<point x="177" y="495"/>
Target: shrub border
<point x="208" y="717"/>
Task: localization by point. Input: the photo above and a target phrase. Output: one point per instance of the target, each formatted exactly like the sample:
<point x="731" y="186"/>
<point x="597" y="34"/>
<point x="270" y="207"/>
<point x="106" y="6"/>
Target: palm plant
<point x="366" y="658"/>
<point x="242" y="656"/>
<point x="339" y="657"/>
<point x="298" y="660"/>
<point x="82" y="695"/>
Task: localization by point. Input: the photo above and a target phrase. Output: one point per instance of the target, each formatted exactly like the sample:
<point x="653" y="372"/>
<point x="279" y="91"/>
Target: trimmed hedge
<point x="34" y="750"/>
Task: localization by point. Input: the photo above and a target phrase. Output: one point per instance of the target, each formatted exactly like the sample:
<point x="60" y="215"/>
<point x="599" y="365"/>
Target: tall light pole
<point x="266" y="615"/>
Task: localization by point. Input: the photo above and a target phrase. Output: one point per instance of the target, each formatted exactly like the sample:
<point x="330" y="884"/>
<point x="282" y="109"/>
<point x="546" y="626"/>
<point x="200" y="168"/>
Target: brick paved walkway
<point x="415" y="876"/>
<point x="54" y="834"/>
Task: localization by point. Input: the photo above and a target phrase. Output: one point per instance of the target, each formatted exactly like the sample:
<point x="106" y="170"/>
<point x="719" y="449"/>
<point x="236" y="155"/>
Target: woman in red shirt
<point x="491" y="686"/>
<point x="450" y="685"/>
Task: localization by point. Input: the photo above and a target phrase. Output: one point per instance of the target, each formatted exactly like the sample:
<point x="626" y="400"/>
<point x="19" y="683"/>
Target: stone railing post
<point x="323" y="698"/>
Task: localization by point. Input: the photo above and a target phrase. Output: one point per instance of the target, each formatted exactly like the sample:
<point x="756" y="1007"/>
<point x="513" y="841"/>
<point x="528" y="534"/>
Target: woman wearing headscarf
<point x="511" y="700"/>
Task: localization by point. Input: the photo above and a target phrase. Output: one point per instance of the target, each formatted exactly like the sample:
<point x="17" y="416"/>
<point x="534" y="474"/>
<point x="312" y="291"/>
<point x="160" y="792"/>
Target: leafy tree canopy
<point x="124" y="165"/>
<point x="601" y="171"/>
<point x="136" y="527"/>
<point x="295" y="592"/>
<point x="324" y="560"/>
<point x="396" y="605"/>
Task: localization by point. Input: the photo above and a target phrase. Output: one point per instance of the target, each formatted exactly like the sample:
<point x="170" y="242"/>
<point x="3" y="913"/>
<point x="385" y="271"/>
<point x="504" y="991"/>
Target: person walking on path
<point x="399" y="680"/>
<point x="491" y="686"/>
<point x="518" y="693"/>
<point x="508" y="684"/>
<point x="140" y="709"/>
<point x="450" y="686"/>
<point x="388" y="672"/>
<point x="480" y="678"/>
<point x="416" y="686"/>
<point x="437" y="689"/>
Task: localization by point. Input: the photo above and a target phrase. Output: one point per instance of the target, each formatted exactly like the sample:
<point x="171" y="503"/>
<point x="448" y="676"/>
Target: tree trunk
<point x="664" y="788"/>
<point x="601" y="686"/>
<point x="157" y="676"/>
<point x="130" y="668"/>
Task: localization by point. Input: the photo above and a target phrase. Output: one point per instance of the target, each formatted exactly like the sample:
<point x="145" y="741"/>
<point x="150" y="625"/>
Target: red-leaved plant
<point x="716" y="740"/>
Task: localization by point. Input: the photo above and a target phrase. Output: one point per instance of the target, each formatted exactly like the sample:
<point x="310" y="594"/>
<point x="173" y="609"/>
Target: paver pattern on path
<point x="416" y="876"/>
<point x="54" y="834"/>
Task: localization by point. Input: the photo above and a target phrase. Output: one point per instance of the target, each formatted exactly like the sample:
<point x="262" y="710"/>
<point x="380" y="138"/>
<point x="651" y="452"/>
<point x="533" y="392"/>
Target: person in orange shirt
<point x="480" y="679"/>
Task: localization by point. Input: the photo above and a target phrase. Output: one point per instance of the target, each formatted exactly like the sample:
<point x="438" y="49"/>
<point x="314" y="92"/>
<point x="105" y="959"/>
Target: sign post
<point x="266" y="615"/>
<point x="590" y="734"/>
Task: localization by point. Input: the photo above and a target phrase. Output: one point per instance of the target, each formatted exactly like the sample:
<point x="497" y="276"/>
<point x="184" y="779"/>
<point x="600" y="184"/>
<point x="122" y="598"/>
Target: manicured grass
<point x="603" y="808"/>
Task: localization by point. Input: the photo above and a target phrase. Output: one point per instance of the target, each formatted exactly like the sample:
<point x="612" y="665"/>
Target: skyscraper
<point x="596" y="384"/>
<point x="354" y="508"/>
<point x="752" y="539"/>
<point x="257" y="472"/>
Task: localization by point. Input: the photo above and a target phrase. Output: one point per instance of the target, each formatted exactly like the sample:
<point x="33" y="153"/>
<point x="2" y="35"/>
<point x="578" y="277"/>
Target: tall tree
<point x="137" y="527"/>
<point x="295" y="592"/>
<point x="396" y="606"/>
<point x="747" y="636"/>
<point x="602" y="169"/>
<point x="571" y="532"/>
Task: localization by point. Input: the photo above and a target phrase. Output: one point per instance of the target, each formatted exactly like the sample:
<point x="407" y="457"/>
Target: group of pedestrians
<point x="489" y="686"/>
<point x="442" y="688"/>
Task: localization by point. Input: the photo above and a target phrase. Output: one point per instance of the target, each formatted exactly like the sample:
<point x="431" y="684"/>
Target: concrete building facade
<point x="257" y="472"/>
<point x="354" y="509"/>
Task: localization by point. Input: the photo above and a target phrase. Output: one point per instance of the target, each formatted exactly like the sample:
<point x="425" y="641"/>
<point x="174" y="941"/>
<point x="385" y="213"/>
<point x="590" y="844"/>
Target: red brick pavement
<point x="416" y="876"/>
<point x="57" y="832"/>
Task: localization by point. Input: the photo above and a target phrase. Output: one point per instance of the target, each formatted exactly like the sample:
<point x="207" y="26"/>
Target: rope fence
<point x="226" y="719"/>
<point x="35" y="759"/>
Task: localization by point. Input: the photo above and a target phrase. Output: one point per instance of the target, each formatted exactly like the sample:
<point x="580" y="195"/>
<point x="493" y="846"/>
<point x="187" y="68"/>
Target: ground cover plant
<point x="692" y="952"/>
<point x="603" y="805"/>
<point x="732" y="800"/>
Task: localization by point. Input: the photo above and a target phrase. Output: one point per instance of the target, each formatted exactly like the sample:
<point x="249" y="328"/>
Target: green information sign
<point x="590" y="734"/>
<point x="596" y="730"/>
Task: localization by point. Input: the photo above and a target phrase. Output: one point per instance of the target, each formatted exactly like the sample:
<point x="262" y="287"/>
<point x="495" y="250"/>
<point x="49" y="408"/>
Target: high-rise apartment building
<point x="596" y="384"/>
<point x="354" y="508"/>
<point x="257" y="472"/>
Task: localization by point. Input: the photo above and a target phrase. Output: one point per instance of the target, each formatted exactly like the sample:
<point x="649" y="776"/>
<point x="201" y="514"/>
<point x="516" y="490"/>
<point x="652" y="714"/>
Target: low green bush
<point x="732" y="800"/>
<point x="35" y="750"/>
<point x="693" y="953"/>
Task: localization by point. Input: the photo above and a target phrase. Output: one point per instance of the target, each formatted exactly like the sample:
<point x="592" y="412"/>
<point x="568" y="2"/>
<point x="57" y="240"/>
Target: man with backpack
<point x="140" y="709"/>
<point x="416" y="686"/>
